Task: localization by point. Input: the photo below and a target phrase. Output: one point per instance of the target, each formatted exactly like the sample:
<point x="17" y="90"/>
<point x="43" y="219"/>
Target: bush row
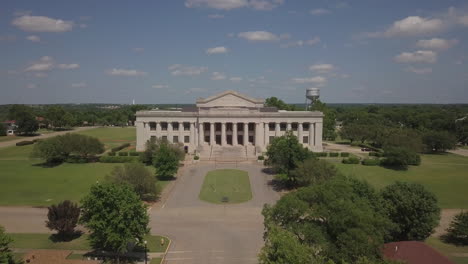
<point x="350" y="160"/>
<point x="371" y="162"/>
<point x="124" y="153"/>
<point x="24" y="143"/>
<point x="116" y="149"/>
<point x="117" y="159"/>
<point x="376" y="154"/>
<point x="332" y="154"/>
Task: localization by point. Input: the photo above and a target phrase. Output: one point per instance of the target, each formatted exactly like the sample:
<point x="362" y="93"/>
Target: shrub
<point x="375" y="154"/>
<point x="261" y="157"/>
<point x="63" y="217"/>
<point x="76" y="159"/>
<point x="344" y="154"/>
<point x="350" y="160"/>
<point x="118" y="148"/>
<point x="321" y="154"/>
<point x="370" y="162"/>
<point x="334" y="154"/>
<point x="112" y="153"/>
<point x="133" y="154"/>
<point x="458" y="230"/>
<point x="24" y="143"/>
<point x="196" y="158"/>
<point x="123" y="153"/>
<point x="116" y="159"/>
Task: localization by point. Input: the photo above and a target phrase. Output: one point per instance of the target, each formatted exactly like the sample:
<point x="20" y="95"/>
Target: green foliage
<point x="137" y="176"/>
<point x="334" y="154"/>
<point x="58" y="117"/>
<point x="376" y="154"/>
<point x="115" y="217"/>
<point x="153" y="146"/>
<point x="278" y="103"/>
<point x="116" y="159"/>
<point x="196" y="157"/>
<point x="123" y="153"/>
<point x="3" y="130"/>
<point x="285" y="152"/>
<point x="350" y="160"/>
<point x="457" y="232"/>
<point x="166" y="162"/>
<point x="329" y="119"/>
<point x="412" y="209"/>
<point x="340" y="219"/>
<point x="439" y="141"/>
<point x="400" y="158"/>
<point x="27" y="123"/>
<point x="133" y="154"/>
<point x="6" y="256"/>
<point x="261" y="157"/>
<point x="370" y="162"/>
<point x="313" y="171"/>
<point x="63" y="217"/>
<point x="24" y="143"/>
<point x="344" y="154"/>
<point x="118" y="148"/>
<point x="111" y="153"/>
<point x="321" y="154"/>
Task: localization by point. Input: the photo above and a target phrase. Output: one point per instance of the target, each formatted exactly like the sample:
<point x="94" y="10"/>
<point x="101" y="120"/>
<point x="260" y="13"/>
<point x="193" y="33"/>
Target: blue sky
<point x="363" y="51"/>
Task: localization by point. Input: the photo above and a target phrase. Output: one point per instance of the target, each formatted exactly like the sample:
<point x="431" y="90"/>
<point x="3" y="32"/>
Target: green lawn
<point x="43" y="241"/>
<point x="451" y="251"/>
<point x="445" y="175"/>
<point x="233" y="184"/>
<point x="113" y="136"/>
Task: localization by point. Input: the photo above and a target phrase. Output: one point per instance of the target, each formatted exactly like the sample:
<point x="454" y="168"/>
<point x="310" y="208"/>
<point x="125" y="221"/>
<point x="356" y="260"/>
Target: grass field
<point x="44" y="241"/>
<point x="24" y="182"/>
<point x="445" y="175"/>
<point x="233" y="184"/>
<point x="113" y="136"/>
<point x="457" y="254"/>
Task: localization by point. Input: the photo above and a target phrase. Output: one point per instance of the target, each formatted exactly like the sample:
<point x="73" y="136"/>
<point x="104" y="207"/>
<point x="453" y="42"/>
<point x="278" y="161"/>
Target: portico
<point x="228" y="119"/>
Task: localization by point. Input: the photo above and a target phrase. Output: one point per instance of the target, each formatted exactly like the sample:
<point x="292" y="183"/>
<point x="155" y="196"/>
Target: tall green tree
<point x="26" y="122"/>
<point x="439" y="141"/>
<point x="136" y="175"/>
<point x="115" y="217"/>
<point x="458" y="229"/>
<point x="278" y="103"/>
<point x="313" y="171"/>
<point x="57" y="116"/>
<point x="412" y="209"/>
<point x="6" y="256"/>
<point x="166" y="162"/>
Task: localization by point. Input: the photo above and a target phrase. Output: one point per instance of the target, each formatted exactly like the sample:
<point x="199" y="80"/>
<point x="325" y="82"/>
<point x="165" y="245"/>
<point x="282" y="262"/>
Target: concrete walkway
<point x="459" y="151"/>
<point x="48" y="135"/>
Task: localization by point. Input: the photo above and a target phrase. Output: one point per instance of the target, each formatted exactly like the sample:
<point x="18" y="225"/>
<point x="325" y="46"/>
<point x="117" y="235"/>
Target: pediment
<point x="229" y="99"/>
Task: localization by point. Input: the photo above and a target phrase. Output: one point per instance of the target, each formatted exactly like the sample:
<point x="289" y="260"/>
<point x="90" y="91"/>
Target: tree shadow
<point x="48" y="164"/>
<point x="394" y="167"/>
<point x="268" y="171"/>
<point x="65" y="238"/>
<point x="449" y="239"/>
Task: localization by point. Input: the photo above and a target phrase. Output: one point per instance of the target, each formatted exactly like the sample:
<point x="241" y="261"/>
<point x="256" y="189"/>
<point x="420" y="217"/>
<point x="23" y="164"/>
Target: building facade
<point x="228" y="119"/>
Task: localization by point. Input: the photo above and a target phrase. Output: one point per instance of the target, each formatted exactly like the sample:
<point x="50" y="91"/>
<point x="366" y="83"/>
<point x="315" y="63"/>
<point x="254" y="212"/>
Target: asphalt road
<point x="206" y="233"/>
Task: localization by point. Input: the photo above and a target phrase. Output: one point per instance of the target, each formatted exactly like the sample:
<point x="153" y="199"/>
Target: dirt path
<point x="462" y="152"/>
<point x="13" y="142"/>
<point x="333" y="147"/>
<point x="446" y="216"/>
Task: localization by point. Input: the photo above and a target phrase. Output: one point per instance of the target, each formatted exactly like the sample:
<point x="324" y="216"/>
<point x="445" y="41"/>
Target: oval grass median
<point x="226" y="186"/>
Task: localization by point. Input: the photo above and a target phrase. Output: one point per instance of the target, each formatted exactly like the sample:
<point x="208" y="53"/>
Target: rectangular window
<point x="152" y="125"/>
<point x="271" y="126"/>
<point x="164" y="138"/>
<point x="305" y="140"/>
<point x="164" y="126"/>
<point x="175" y="139"/>
<point x="175" y="126"/>
<point x="186" y="139"/>
<point x="153" y="138"/>
<point x="283" y="127"/>
<point x="186" y="126"/>
<point x="294" y="126"/>
<point x="305" y="126"/>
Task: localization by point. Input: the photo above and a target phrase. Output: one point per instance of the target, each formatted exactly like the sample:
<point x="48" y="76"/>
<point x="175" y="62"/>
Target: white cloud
<point x="318" y="80"/>
<point x="463" y="20"/>
<point x="300" y="43"/>
<point x="41" y="24"/>
<point x="257" y="36"/>
<point x="68" y="66"/>
<point x="45" y="63"/>
<point x="420" y="56"/>
<point x="322" y="68"/>
<point x="319" y="11"/>
<point x="217" y="50"/>
<point x="415" y="26"/>
<point x="125" y="72"/>
<point x="233" y="4"/>
<point x="265" y="4"/>
<point x="437" y="43"/>
<point x="31" y="86"/>
<point x="160" y="86"/>
<point x="33" y="38"/>
<point x="216" y="76"/>
<point x="235" y="79"/>
<point x="79" y="85"/>
<point x="419" y="70"/>
<point x="216" y="16"/>
<point x="184" y="70"/>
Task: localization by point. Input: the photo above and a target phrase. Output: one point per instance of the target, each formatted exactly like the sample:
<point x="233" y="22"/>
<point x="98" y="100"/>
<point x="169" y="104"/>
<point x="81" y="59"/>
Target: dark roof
<point x="414" y="252"/>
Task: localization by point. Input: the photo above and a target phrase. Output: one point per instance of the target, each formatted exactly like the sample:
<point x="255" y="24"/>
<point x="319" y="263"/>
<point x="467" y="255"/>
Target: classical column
<point x="246" y="134"/>
<point x="299" y="132"/>
<point x="288" y="127"/>
<point x="193" y="137"/>
<point x="257" y="134"/>
<point x="158" y="129"/>
<point x="223" y="134"/>
<point x="311" y="134"/>
<point x="277" y="129"/>
<point x="201" y="136"/>
<point x="266" y="136"/>
<point x="234" y="134"/>
<point x="212" y="134"/>
<point x="318" y="136"/>
<point x="169" y="132"/>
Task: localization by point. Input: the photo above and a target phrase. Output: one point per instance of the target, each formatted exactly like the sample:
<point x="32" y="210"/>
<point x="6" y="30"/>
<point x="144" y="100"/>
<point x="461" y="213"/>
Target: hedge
<point x="344" y="154"/>
<point x="321" y="154"/>
<point x="261" y="157"/>
<point x="24" y="143"/>
<point x="116" y="159"/>
<point x="111" y="153"/>
<point x="370" y="162"/>
<point x="123" y="153"/>
<point x="375" y="154"/>
<point x="334" y="154"/>
<point x="196" y="158"/>
<point x="116" y="149"/>
<point x="133" y="154"/>
<point x="350" y="160"/>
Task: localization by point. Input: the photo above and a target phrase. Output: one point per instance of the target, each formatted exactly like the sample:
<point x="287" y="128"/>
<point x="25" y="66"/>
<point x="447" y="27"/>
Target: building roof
<point x="43" y="256"/>
<point x="414" y="252"/>
<point x="233" y="99"/>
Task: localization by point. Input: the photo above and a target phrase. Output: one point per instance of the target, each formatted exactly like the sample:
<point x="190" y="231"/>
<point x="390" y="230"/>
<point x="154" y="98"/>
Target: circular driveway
<point x="202" y="232"/>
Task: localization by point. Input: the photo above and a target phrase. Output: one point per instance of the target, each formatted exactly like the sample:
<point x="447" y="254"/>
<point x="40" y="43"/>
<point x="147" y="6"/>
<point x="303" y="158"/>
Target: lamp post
<point x="146" y="254"/>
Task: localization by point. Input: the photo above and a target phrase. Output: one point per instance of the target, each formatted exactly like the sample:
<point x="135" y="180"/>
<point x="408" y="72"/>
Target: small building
<point x="10" y="127"/>
<point x="414" y="252"/>
<point x="228" y="119"/>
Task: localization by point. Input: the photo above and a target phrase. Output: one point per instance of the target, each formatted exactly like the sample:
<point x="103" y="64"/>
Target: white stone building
<point x="228" y="119"/>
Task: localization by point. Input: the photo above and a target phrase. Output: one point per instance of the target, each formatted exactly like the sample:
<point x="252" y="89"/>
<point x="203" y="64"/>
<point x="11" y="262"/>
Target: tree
<point x="27" y="123"/>
<point x="63" y="217"/>
<point x="137" y="176"/>
<point x="115" y="217"/>
<point x="329" y="119"/>
<point x="3" y="130"/>
<point x="400" y="158"/>
<point x="412" y="209"/>
<point x="458" y="229"/>
<point x="284" y="153"/>
<point x="278" y="103"/>
<point x="6" y="256"/>
<point x="57" y="116"/>
<point x="313" y="171"/>
<point x="154" y="144"/>
<point x="166" y="162"/>
<point x="439" y="141"/>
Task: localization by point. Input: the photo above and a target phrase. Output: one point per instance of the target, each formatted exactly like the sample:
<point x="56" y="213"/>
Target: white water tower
<point x="312" y="94"/>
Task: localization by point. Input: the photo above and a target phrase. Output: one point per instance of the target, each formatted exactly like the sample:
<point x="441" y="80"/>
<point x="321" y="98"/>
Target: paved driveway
<point x="207" y="233"/>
